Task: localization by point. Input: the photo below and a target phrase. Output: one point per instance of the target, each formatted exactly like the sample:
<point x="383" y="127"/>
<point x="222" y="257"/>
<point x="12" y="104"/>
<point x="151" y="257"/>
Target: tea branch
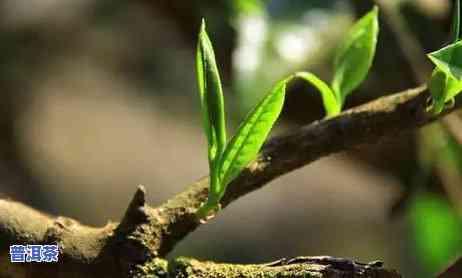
<point x="135" y="246"/>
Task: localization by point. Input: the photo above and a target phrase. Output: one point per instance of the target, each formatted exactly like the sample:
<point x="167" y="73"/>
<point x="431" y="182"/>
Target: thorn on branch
<point x="136" y="213"/>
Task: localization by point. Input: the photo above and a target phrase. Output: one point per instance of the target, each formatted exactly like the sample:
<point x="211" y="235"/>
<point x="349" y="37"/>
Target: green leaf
<point x="443" y="88"/>
<point x="437" y="87"/>
<point x="251" y="134"/>
<point x="212" y="103"/>
<point x="331" y="105"/>
<point x="355" y="55"/>
<point x="437" y="231"/>
<point x="245" y="144"/>
<point x="446" y="80"/>
<point x="449" y="59"/>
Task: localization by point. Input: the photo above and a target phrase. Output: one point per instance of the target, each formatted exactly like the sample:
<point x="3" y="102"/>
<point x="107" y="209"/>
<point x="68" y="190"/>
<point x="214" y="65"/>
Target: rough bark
<point x="135" y="246"/>
<point x="306" y="267"/>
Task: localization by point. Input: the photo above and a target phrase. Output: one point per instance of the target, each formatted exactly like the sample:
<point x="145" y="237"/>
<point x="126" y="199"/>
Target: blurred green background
<point x="100" y="96"/>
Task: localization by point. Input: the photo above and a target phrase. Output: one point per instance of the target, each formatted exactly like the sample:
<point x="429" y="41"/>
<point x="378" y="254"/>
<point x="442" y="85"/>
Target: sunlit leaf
<point x="246" y="143"/>
<point x="329" y="100"/>
<point x="212" y="103"/>
<point x="443" y="88"/>
<point x="438" y="89"/>
<point x="449" y="60"/>
<point x="211" y="95"/>
<point x="446" y="80"/>
<point x="251" y="134"/>
<point x="354" y="57"/>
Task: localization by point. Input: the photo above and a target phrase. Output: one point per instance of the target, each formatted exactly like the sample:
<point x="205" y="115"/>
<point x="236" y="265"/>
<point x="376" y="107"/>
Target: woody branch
<point x="136" y="245"/>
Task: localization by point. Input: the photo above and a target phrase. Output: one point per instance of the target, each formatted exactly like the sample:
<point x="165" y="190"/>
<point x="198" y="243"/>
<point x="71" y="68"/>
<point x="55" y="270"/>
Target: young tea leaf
<point x="331" y="105"/>
<point x="250" y="136"/>
<point x="437" y="87"/>
<point x="212" y="104"/>
<point x="245" y="144"/>
<point x="211" y="95"/>
<point x="443" y="88"/>
<point x="445" y="82"/>
<point x="355" y="55"/>
<point x="449" y="59"/>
